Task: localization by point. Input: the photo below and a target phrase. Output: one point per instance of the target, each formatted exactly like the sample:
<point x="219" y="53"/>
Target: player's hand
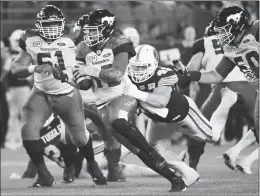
<point x="79" y="70"/>
<point x="179" y="68"/>
<point x="59" y="74"/>
<point x="44" y="69"/>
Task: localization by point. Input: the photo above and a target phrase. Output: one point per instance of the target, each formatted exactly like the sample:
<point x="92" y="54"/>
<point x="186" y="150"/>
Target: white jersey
<point x="213" y="55"/>
<point x="61" y="51"/>
<point x="105" y="91"/>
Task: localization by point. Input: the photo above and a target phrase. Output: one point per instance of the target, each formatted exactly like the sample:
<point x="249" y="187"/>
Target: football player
<point x="239" y="41"/>
<point x="52" y="45"/>
<point x="206" y="55"/>
<point x="104" y="57"/>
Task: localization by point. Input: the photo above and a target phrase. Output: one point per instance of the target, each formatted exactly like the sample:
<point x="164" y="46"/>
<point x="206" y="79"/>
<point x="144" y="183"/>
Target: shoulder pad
<point x="119" y="40"/>
<point x="29" y="33"/>
<point x="167" y="76"/>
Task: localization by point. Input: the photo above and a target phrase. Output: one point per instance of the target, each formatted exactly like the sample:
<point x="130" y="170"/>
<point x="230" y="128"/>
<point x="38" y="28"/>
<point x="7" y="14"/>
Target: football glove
<point x="59" y="74"/>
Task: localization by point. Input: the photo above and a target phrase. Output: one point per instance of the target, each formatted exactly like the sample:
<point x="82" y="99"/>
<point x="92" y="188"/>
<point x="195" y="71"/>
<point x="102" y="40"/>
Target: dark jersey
<point x="177" y="107"/>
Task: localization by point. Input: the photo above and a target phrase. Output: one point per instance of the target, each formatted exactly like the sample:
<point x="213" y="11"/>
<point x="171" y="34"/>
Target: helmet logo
<point x="235" y="17"/>
<point x="109" y="19"/>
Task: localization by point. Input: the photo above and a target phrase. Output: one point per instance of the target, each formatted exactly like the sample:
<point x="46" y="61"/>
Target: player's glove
<point x="59" y="74"/>
<point x="185" y="76"/>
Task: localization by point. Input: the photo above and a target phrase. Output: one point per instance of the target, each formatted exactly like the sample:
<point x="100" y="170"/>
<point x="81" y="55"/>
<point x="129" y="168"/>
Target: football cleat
<point x="178" y="185"/>
<point x="96" y="174"/>
<point x="229" y="162"/>
<point x="244" y="167"/>
<point x="68" y="174"/>
<point x="45" y="179"/>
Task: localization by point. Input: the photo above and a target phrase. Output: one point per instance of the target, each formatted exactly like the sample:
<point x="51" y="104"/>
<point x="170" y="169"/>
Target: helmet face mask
<point x="98" y="26"/>
<point x="93" y="34"/>
<point x="144" y="64"/>
<point x="50" y="22"/>
<point x="224" y="34"/>
<point x="141" y="72"/>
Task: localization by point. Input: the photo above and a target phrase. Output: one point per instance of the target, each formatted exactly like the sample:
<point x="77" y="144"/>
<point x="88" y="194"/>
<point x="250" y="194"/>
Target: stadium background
<point x="159" y="23"/>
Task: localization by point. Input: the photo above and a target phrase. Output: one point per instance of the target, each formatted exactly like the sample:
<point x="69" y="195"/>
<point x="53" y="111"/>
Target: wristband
<point x="195" y="76"/>
<point x="31" y="68"/>
<point x="92" y="71"/>
<point x="142" y="96"/>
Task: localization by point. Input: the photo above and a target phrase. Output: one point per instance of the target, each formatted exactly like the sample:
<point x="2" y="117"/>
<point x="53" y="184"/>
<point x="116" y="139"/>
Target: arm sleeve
<point x="225" y="66"/>
<point x="198" y="46"/>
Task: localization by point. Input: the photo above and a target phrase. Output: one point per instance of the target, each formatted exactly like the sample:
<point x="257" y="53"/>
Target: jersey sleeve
<point x="225" y="66"/>
<point x="198" y="46"/>
<point x="81" y="52"/>
<point x="167" y="79"/>
<point x="122" y="44"/>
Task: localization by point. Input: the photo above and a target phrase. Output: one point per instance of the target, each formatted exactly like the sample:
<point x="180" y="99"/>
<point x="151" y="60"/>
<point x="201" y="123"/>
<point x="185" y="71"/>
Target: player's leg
<point x="34" y="114"/>
<point x="70" y="109"/>
<point x="195" y="147"/>
<point x="158" y="135"/>
<point x="231" y="154"/>
<point x="122" y="119"/>
<point x="112" y="150"/>
<point x="245" y="163"/>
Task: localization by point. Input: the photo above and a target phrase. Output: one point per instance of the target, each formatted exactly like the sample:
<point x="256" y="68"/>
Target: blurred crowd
<point x="170" y="26"/>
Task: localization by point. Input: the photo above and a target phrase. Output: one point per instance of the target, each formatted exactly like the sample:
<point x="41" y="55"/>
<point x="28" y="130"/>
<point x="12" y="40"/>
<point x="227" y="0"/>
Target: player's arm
<point x="198" y="50"/>
<point x="216" y="76"/>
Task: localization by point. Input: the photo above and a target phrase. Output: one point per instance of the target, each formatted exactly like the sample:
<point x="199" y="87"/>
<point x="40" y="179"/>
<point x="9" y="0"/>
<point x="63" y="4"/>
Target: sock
<point x="87" y="150"/>
<point x="130" y="131"/>
<point x="34" y="149"/>
<point x="165" y="171"/>
<point x="68" y="152"/>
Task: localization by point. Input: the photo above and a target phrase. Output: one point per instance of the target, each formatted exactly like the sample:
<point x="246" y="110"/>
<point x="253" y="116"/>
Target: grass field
<point x="216" y="178"/>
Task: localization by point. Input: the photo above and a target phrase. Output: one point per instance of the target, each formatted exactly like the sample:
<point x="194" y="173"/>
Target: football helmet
<point x="132" y="34"/>
<point x="209" y="31"/>
<point x="229" y="23"/>
<point x="144" y="64"/>
<point x="98" y="26"/>
<point x="14" y="40"/>
<point x="50" y="22"/>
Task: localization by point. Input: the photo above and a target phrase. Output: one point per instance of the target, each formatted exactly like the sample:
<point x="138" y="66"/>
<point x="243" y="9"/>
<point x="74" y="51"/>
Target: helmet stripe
<point x="138" y="52"/>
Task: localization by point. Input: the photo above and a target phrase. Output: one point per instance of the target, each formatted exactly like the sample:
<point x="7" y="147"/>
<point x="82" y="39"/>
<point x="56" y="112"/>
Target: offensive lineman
<point x="239" y="41"/>
<point x="206" y="55"/>
<point x="46" y="48"/>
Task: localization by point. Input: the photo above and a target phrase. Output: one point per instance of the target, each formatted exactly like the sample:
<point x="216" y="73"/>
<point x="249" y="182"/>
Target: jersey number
<point x="101" y="84"/>
<point x="252" y="59"/>
<point x="216" y="47"/>
<point x="41" y="59"/>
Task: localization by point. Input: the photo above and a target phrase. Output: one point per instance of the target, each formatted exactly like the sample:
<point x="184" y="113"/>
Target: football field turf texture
<point x="216" y="178"/>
